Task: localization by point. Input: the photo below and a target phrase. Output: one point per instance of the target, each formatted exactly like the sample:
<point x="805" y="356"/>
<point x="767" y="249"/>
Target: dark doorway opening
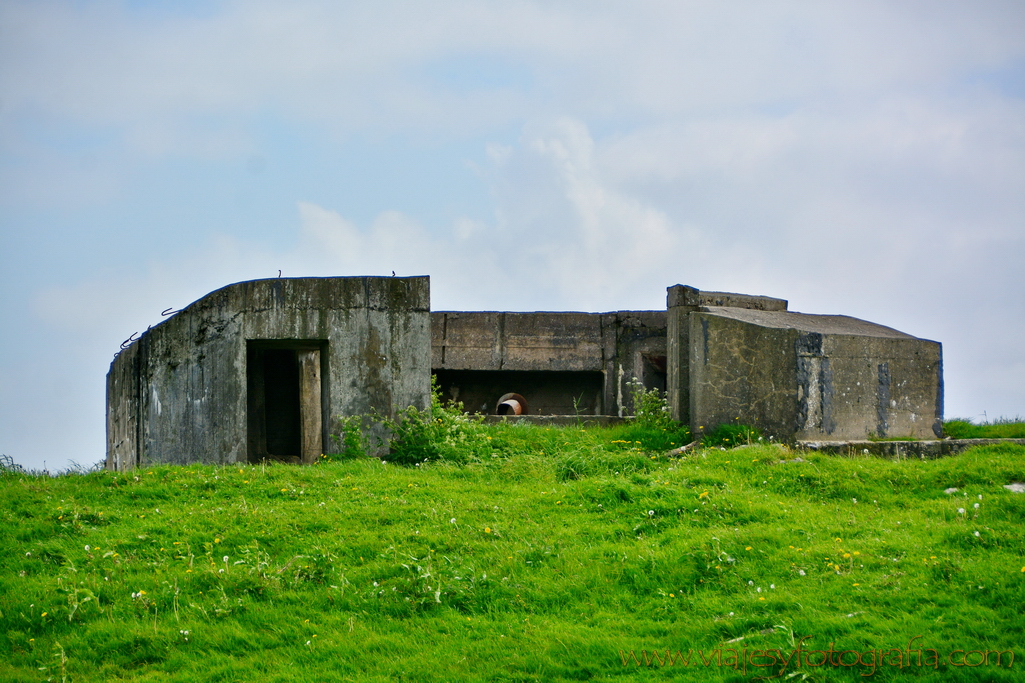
<point x="281" y="397"/>
<point x="285" y="400"/>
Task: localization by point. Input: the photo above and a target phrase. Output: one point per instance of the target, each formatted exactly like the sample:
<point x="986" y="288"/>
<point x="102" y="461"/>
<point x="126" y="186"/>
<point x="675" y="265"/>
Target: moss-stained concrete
<point x="812" y="377"/>
<point x="179" y="394"/>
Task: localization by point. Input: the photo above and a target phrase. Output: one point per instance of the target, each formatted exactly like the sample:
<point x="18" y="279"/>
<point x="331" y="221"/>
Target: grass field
<point x="1001" y="428"/>
<point x="548" y="555"/>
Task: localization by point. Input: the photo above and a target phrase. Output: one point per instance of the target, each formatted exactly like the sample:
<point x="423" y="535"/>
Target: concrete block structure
<point x="560" y="363"/>
<point x="681" y="301"/>
<point x="261" y="369"/>
<point x="797" y="377"/>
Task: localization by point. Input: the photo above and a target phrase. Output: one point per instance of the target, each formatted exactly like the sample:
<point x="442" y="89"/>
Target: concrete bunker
<point x="260" y="369"/>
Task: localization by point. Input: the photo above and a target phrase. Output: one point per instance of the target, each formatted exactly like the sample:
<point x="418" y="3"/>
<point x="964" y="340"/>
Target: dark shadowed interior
<point x="546" y="392"/>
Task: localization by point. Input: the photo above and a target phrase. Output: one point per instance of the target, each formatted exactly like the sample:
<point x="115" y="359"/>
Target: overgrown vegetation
<point x="550" y="555"/>
<point x="652" y="426"/>
<point x="351" y="440"/>
<point x="442" y="432"/>
<point x="729" y="435"/>
<point x="1001" y="428"/>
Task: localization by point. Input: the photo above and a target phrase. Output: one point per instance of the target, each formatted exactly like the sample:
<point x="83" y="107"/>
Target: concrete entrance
<point x="285" y="399"/>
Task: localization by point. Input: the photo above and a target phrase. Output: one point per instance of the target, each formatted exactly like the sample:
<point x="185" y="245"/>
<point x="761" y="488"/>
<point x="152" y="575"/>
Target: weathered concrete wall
<point x="681" y="301"/>
<point x="807" y="377"/>
<point x="123" y="423"/>
<point x="179" y="394"/>
<point x="639" y="352"/>
<point x="563" y="363"/>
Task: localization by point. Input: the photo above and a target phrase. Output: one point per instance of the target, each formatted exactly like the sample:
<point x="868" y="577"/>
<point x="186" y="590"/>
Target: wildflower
<point x="87" y="547"/>
<point x="976" y="534"/>
<point x="976" y="506"/>
<point x="651" y="513"/>
<point x="704" y="494"/>
<point x="960" y="511"/>
<point x="452" y="521"/>
<point x="747" y="548"/>
<point x="487" y="530"/>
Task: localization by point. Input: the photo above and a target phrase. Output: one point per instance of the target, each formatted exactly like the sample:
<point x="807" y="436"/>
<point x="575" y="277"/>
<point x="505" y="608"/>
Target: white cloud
<point x="353" y="67"/>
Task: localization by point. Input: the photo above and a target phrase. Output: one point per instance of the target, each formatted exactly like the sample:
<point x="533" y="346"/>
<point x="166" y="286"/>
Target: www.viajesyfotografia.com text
<point x="746" y="660"/>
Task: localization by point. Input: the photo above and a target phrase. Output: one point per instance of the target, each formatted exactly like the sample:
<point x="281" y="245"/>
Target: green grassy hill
<point x="549" y="555"/>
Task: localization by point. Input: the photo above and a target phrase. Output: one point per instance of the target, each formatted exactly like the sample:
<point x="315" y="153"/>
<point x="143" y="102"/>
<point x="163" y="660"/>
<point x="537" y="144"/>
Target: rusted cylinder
<point x="510" y="407"/>
<point x="511" y="404"/>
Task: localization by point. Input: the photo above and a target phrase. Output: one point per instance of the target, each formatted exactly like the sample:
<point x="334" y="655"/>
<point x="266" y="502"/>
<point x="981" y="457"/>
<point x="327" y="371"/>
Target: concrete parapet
<point x="690" y="297"/>
<point x="559" y="420"/>
<point x="681" y="301"/>
<point x="564" y="363"/>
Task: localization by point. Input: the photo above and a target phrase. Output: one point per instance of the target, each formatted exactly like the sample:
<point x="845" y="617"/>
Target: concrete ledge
<point x="559" y="420"/>
<point x="691" y="297"/>
<point x="901" y="450"/>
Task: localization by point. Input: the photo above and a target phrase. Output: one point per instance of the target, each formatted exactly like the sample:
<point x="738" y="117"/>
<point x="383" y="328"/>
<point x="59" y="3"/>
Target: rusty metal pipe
<point x="510" y="407"/>
<point x="511" y="404"/>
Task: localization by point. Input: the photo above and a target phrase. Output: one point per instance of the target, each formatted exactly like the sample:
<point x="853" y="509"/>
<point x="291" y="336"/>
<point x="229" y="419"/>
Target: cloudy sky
<point x="863" y="158"/>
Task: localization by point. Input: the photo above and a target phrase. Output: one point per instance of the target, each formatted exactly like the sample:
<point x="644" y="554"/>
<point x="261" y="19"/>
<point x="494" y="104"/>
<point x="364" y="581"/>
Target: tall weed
<point x="653" y="426"/>
<point x="442" y="432"/>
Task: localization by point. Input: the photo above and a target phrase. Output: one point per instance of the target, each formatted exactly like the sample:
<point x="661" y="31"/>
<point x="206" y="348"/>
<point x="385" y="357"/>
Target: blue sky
<point x="862" y="158"/>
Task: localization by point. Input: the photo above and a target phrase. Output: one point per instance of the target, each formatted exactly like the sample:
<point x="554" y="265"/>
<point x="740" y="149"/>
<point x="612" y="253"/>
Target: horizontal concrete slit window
<point x="546" y="392"/>
<point x="285" y="400"/>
